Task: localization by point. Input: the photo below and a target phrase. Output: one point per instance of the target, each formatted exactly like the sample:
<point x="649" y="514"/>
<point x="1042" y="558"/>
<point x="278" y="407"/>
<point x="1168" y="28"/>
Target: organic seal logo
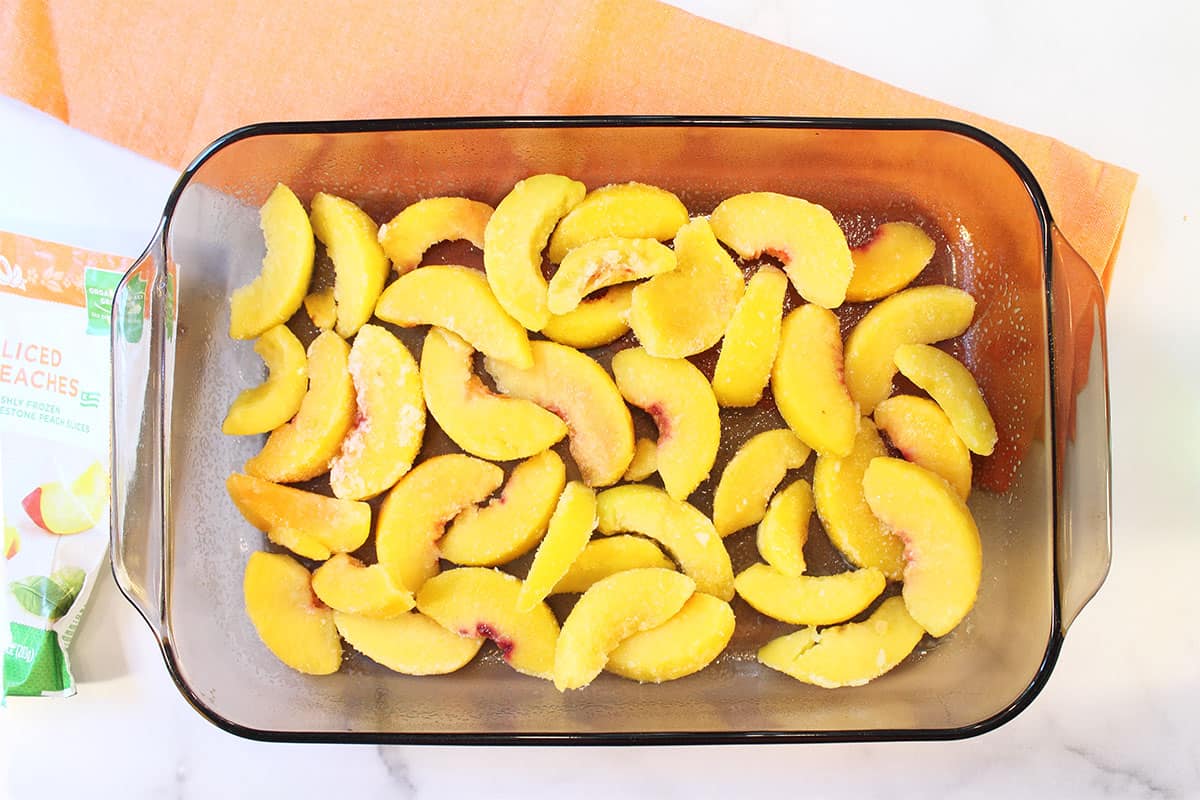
<point x="11" y="275"/>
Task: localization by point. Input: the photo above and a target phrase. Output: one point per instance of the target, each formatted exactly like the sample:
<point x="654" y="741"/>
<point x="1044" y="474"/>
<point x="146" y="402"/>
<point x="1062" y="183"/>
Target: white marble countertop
<point x="1120" y="716"/>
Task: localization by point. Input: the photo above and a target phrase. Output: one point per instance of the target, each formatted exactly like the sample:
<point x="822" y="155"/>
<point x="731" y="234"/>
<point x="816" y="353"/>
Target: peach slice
<point x="581" y="393"/>
<point x="411" y="644"/>
<point x="511" y="525"/>
<point x="12" y="542"/>
<point x="888" y="261"/>
<point x="632" y="210"/>
<point x="346" y="584"/>
<point x="513" y="241"/>
<point x="480" y="421"/>
<point x="278" y="290"/>
<point x="302" y="449"/>
<point x="605" y="262"/>
<point x="943" y="557"/>
<point x="321" y="309"/>
<point x="611" y="611"/>
<point x="309" y="524"/>
<point x="751" y="476"/>
<point x="63" y="510"/>
<point x="426" y="222"/>
<point x="595" y="322"/>
<point x="955" y="390"/>
<point x="924" y="435"/>
<point x="802" y="235"/>
<point x="712" y="284"/>
<point x="751" y="341"/>
<point x="459" y="300"/>
<point x="289" y="619"/>
<point x="360" y="267"/>
<point x="848" y="655"/>
<point x="807" y="382"/>
<point x="686" y="533"/>
<point x="608" y="556"/>
<point x="416" y="510"/>
<point x="784" y="529"/>
<point x="571" y="526"/>
<point x="645" y="460"/>
<point x="843" y="509"/>
<point x="679" y="398"/>
<point x="921" y="315"/>
<point x="482" y="603"/>
<point x="809" y="599"/>
<point x="277" y="399"/>
<point x="685" y="644"/>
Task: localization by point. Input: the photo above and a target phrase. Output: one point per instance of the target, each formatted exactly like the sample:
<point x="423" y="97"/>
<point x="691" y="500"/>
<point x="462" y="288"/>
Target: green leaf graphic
<point x="49" y="597"/>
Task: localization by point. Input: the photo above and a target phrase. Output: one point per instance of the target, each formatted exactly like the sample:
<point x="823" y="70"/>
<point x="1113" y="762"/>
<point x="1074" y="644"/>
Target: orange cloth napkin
<point x="165" y="77"/>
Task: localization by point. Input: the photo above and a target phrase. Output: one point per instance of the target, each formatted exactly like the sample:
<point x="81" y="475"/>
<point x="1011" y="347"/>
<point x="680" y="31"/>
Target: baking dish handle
<point x="1084" y="546"/>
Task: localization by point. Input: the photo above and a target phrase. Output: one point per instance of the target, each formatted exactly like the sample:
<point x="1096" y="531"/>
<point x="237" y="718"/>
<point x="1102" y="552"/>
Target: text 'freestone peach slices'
<point x="683" y="645"/>
<point x="751" y="476"/>
<point x="602" y="263"/>
<point x="631" y="210"/>
<point x="608" y="556"/>
<point x="680" y="400"/>
<point x="289" y="619"/>
<point x="360" y="267"/>
<point x="426" y="222"/>
<point x="570" y="527"/>
<point x="277" y="399"/>
<point x="751" y="341"/>
<point x="411" y="644"/>
<point x="783" y="531"/>
<point x="888" y="261"/>
<point x="346" y="584"/>
<point x="645" y="460"/>
<point x="807" y="382"/>
<point x="309" y="524"/>
<point x="595" y="322"/>
<point x="924" y="435"/>
<point x="809" y="599"/>
<point x="802" y="235"/>
<point x="954" y="389"/>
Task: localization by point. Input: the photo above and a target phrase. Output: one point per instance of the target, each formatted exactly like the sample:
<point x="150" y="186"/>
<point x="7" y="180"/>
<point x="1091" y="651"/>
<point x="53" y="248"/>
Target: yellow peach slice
<point x="783" y="531"/>
<point x="751" y="476"/>
<point x="924" y="435"/>
<point x="645" y="460"/>
<point x="595" y="322"/>
<point x="686" y="533"/>
<point x="711" y="283"/>
<point x="310" y="525"/>
<point x="411" y="644"/>
<point x="943" y="557"/>
<point x="278" y="398"/>
<point x="611" y="611"/>
<point x="802" y="235"/>
<point x="346" y="584"/>
<point x="289" y="619"/>
<point x="955" y="390"/>
<point x="888" y="261"/>
<point x="807" y="384"/>
<point x="809" y="599"/>
<point x="321" y="309"/>
<point x="511" y="525"/>
<point x="416" y="510"/>
<point x="683" y="645"/>
<point x="480" y="421"/>
<point x="922" y="315"/>
<point x="360" y="267"/>
<point x="571" y="526"/>
<point x="278" y="290"/>
<point x="848" y="655"/>
<point x="581" y="393"/>
<point x="751" y="341"/>
<point x="459" y="300"/>
<point x="513" y="241"/>
<point x="608" y="556"/>
<point x="680" y="400"/>
<point x="633" y="210"/>
<point x="389" y="423"/>
<point x="426" y="222"/>
<point x="605" y="262"/>
<point x="482" y="603"/>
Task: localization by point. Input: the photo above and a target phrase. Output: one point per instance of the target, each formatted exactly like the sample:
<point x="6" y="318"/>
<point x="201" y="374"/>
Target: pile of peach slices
<point x="653" y="571"/>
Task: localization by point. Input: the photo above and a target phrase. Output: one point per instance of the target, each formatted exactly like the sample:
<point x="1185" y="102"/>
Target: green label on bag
<point x="134" y="295"/>
<point x="34" y="663"/>
<point x="99" y="285"/>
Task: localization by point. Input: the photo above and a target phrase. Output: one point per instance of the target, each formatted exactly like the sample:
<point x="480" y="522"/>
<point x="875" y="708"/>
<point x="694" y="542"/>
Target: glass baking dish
<point x="1037" y="346"/>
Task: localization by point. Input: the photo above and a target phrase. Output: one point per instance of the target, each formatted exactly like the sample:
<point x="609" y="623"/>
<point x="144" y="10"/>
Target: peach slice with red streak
<point x="888" y="261"/>
<point x="407" y="236"/>
<point x="294" y="625"/>
<point x="278" y="398"/>
<point x="309" y="524"/>
<point x="411" y="644"/>
<point x="12" y="542"/>
<point x="751" y="476"/>
<point x="645" y="460"/>
<point x="751" y="341"/>
<point x="63" y="510"/>
<point x="595" y="322"/>
<point x="807" y="382"/>
<point x="954" y="389"/>
<point x="602" y="263"/>
<point x="321" y="309"/>
<point x="608" y="556"/>
<point x="631" y="210"/>
<point x="924" y="435"/>
<point x="346" y="584"/>
<point x="809" y="599"/>
<point x="360" y="267"/>
<point x="683" y="645"/>
<point x="570" y="527"/>
<point x="783" y="531"/>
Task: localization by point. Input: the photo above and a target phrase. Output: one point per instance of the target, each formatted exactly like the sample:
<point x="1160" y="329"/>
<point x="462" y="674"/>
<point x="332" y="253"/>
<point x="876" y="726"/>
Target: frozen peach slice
<point x="346" y="584"/>
<point x="685" y="532"/>
<point x="608" y="556"/>
<point x="278" y="398"/>
<point x="807" y="383"/>
<point x="955" y="390"/>
<point x="680" y="400"/>
<point x="302" y="449"/>
<point x="683" y="645"/>
<point x="411" y="644"/>
<point x="389" y="423"/>
<point x="511" y="525"/>
<point x="459" y="300"/>
<point x="426" y="222"/>
<point x="482" y="603"/>
<point x="480" y="421"/>
<point x="802" y="235"/>
<point x="513" y="241"/>
<point x="633" y="210"/>
<point x="751" y="341"/>
<point x="888" y="261"/>
<point x="309" y="524"/>
<point x="610" y="612"/>
<point x="581" y="393"/>
<point x="751" y="476"/>
<point x="921" y="315"/>
<point x="645" y="460"/>
<point x="605" y="262"/>
<point x="289" y="619"/>
<point x="571" y="526"/>
<point x="847" y="655"/>
<point x="278" y="290"/>
<point x="943" y="557"/>
<point x="321" y="309"/>
<point x="360" y="267"/>
<point x="783" y="531"/>
<point x="706" y="279"/>
<point x="809" y="599"/>
<point x="843" y="509"/>
<point x="65" y="510"/>
<point x="924" y="435"/>
<point x="416" y="510"/>
<point x="595" y="322"/>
